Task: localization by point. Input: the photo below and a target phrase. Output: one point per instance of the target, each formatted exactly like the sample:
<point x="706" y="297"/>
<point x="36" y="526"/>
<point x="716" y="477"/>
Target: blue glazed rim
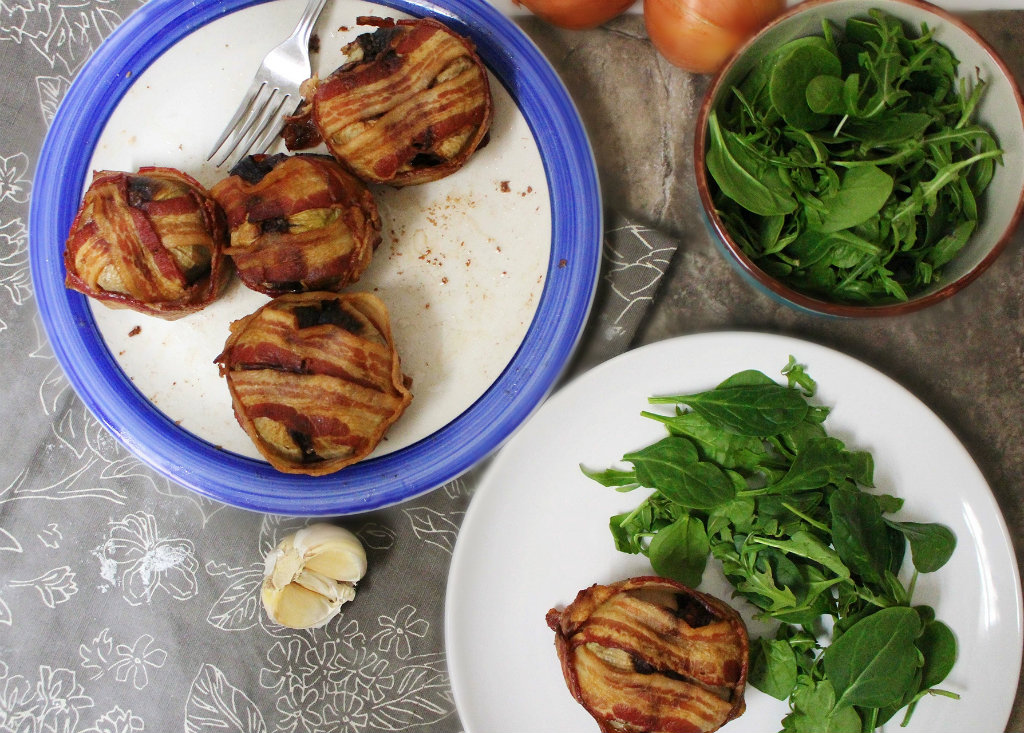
<point x="564" y="306"/>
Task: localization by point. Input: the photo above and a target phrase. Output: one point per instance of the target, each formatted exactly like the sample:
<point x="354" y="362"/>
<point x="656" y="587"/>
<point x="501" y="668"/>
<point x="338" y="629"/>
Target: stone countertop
<point x="964" y="357"/>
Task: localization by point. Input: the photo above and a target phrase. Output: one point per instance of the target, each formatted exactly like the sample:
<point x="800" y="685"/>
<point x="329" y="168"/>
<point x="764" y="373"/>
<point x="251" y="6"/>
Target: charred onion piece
<point x="410" y="105"/>
<point x="152" y="241"/>
<point x="649" y="654"/>
<point x="298" y="223"/>
<point x="315" y="380"/>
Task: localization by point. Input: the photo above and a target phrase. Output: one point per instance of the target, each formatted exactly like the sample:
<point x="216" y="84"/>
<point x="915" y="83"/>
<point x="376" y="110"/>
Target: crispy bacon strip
<point x="152" y="241"/>
<point x="649" y="654"/>
<point x="298" y="223"/>
<point x="315" y="379"/>
<point x="410" y="105"/>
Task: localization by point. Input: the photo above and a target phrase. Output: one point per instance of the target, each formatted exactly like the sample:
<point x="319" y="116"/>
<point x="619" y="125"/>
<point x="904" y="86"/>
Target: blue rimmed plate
<point x="489" y="274"/>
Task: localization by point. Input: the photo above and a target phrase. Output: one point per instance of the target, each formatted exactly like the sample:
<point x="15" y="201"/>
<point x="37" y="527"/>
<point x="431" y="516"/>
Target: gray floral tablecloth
<point x="128" y="603"/>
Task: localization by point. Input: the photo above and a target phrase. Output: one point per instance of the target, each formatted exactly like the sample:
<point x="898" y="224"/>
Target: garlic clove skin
<point x="311" y="574"/>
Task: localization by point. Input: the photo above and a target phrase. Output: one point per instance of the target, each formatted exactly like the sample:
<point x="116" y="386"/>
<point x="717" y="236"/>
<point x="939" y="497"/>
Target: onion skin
<point x="699" y="35"/>
<point x="576" y="14"/>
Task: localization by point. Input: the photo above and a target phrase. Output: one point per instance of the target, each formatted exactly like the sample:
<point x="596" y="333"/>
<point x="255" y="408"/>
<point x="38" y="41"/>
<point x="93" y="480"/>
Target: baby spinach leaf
<point x="680" y="551"/>
<point x="755" y="409"/>
<point x="787" y="88"/>
<point x="612" y="477"/>
<point x="822" y="461"/>
<point x="938" y="645"/>
<point x="874" y="662"/>
<point x="673" y="467"/>
<point x="727" y="449"/>
<point x="931" y="545"/>
<point x="773" y="668"/>
<point x="825" y="95"/>
<point x="743" y="178"/>
<point x="863" y="193"/>
<point x="859" y="534"/>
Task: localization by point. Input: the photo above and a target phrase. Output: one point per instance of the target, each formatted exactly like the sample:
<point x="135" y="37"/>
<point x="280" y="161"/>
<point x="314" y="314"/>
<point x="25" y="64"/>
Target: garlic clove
<point x="333" y="551"/>
<point x="297" y="607"/>
<point x="311" y="574"/>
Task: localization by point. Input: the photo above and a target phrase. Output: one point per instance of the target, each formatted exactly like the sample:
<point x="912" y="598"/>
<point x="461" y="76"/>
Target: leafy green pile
<point x="749" y="476"/>
<point x="848" y="165"/>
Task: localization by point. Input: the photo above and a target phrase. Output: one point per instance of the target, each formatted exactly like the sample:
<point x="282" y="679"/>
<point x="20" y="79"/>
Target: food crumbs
<point x="562" y="263"/>
<point x="314" y="43"/>
<point x="505" y="188"/>
<point x="444" y="280"/>
<point x="135" y="331"/>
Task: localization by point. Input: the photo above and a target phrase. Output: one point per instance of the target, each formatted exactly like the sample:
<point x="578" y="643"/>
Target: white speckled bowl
<point x="1001" y="110"/>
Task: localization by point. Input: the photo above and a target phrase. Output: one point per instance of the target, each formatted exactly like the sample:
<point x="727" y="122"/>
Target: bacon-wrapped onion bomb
<point x="410" y="105"/>
<point x="649" y="654"/>
<point x="152" y="241"/>
<point x="315" y="379"/>
<point x="298" y="223"/>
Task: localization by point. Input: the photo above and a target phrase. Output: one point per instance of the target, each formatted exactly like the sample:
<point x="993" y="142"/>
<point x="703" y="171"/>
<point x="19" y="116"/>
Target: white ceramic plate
<point x="488" y="274"/>
<point x="537" y="532"/>
<point x="454" y="247"/>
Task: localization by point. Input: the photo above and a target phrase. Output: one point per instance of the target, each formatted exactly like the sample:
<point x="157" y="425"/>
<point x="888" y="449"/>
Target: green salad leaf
<point x="749" y="478"/>
<point x="849" y="164"/>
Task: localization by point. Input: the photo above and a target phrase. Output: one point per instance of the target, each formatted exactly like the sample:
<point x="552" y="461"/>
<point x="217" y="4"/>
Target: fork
<point x="262" y="111"/>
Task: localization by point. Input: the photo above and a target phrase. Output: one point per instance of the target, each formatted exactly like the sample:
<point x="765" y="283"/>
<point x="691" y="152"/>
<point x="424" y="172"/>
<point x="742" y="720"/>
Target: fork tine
<point x="243" y="107"/>
<point x="257" y="126"/>
<point x="273" y="127"/>
<point x="242" y="130"/>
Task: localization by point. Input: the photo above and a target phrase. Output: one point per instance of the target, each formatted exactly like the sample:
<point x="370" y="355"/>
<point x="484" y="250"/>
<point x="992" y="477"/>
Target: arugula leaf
<point x="814" y="710"/>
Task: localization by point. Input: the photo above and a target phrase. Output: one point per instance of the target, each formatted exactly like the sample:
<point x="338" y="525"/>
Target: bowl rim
<point x="776" y="287"/>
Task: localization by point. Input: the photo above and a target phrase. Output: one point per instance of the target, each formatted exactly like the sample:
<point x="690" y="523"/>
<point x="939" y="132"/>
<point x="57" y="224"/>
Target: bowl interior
<point x="1001" y="111"/>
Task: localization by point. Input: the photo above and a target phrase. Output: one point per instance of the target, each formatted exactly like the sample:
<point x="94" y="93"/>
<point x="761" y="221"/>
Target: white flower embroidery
<point x="61" y="699"/>
<point x="133" y="661"/>
<point x="55" y="586"/>
<point x="395" y="631"/>
<point x="117" y="721"/>
<point x="346" y="712"/>
<point x="14" y="183"/>
<point x="18" y="704"/>
<point x="146" y="563"/>
<point x="15" y="278"/>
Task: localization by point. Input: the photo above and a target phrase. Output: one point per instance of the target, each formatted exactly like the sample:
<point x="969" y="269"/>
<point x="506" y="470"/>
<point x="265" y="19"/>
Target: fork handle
<point x="304" y="27"/>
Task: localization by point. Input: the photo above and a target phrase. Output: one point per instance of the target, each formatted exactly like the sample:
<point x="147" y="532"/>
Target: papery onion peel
<point x="699" y="35"/>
